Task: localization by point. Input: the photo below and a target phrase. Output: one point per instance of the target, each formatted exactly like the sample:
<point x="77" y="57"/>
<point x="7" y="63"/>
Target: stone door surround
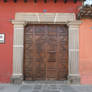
<point x="22" y="19"/>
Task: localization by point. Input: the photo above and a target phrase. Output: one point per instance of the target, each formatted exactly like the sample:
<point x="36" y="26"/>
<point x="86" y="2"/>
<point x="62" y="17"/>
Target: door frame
<point x="22" y="19"/>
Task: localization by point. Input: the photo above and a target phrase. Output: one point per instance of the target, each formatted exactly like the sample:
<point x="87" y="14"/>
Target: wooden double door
<point x="45" y="52"/>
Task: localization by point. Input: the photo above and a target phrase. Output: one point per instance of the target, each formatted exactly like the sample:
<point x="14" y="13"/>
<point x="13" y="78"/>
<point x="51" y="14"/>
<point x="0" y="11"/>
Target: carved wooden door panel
<point x="35" y="53"/>
<point x="46" y="52"/>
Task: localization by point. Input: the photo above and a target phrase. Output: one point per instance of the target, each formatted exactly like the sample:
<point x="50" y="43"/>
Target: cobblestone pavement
<point x="44" y="87"/>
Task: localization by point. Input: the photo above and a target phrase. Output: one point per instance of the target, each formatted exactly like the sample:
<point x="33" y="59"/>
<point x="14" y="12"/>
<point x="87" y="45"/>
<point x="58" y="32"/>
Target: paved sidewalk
<point x="43" y="87"/>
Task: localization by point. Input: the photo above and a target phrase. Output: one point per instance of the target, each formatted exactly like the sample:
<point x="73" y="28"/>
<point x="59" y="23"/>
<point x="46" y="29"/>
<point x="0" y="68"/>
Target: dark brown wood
<point x="46" y="52"/>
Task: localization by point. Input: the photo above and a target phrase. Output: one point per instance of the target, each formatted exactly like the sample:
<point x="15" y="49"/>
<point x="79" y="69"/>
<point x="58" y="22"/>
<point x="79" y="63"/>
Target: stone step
<point x="46" y="82"/>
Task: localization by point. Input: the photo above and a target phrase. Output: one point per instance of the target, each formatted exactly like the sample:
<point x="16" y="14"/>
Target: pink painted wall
<point x="86" y="51"/>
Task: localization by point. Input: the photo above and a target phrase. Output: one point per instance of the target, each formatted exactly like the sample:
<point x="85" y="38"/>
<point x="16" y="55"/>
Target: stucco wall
<point x="7" y="12"/>
<point x="86" y="51"/>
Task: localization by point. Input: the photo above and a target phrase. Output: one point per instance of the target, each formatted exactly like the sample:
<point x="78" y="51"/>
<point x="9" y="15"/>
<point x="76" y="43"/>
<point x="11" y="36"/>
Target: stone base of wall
<point x="17" y="79"/>
<point x="74" y="79"/>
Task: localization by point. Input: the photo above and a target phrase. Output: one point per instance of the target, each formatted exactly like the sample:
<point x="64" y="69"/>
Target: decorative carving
<point x="85" y="12"/>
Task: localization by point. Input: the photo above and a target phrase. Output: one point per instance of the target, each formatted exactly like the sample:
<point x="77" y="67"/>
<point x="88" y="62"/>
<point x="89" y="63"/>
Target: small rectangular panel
<point x="51" y="56"/>
<point x="51" y="73"/>
<point x="2" y="38"/>
<point x="51" y="65"/>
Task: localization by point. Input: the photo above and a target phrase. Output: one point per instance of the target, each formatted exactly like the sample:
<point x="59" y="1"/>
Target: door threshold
<point x="46" y="82"/>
